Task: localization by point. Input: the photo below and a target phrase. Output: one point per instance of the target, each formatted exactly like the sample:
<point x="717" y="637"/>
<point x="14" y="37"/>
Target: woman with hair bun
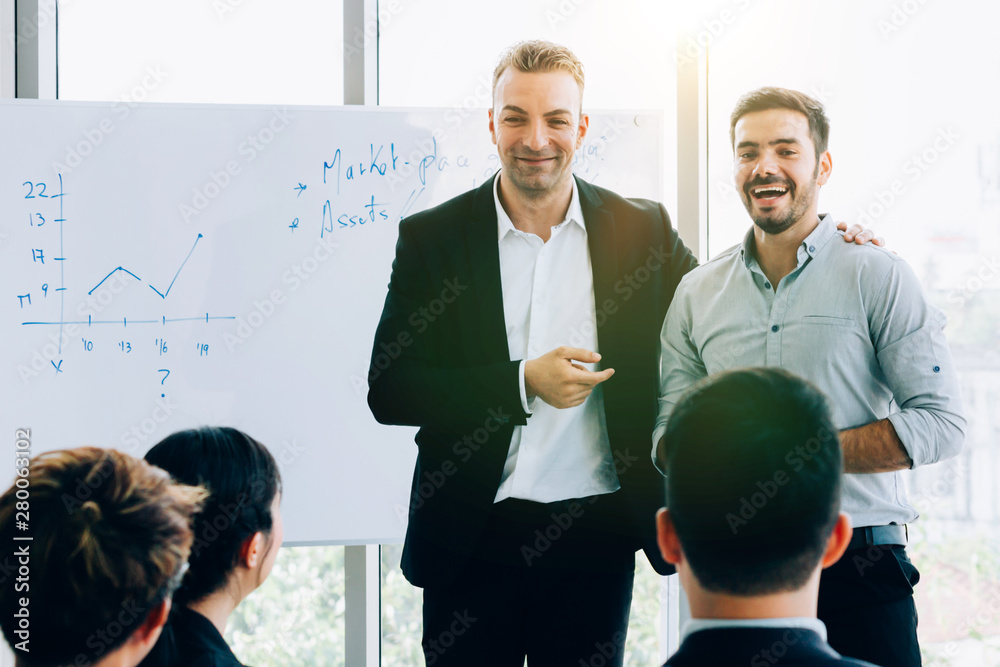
<point x="91" y="582"/>
<point x="236" y="539"/>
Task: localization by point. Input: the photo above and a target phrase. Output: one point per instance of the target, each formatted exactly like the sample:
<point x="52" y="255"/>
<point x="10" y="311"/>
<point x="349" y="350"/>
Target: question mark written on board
<point x="163" y="370"/>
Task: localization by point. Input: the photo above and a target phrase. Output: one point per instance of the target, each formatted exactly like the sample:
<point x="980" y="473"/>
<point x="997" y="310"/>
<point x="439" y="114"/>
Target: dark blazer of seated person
<point x="236" y="540"/>
<point x="753" y="465"/>
<point x="192" y="640"/>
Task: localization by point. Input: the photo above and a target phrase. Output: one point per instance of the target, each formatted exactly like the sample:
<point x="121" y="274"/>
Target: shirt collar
<point x="505" y="225"/>
<point x="811" y="245"/>
<point x="801" y="622"/>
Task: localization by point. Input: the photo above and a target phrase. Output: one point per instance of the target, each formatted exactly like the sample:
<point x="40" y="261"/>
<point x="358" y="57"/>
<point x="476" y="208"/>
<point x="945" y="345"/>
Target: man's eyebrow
<point x="754" y="144"/>
<point x="554" y="112"/>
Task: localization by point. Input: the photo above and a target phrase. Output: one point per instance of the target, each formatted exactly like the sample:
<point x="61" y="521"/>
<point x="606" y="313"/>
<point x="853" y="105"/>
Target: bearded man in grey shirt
<point x="856" y="324"/>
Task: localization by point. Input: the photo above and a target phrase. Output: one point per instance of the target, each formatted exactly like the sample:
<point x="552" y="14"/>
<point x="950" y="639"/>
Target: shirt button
<point x="812" y="248"/>
<point x="767" y="285"/>
<point x="775" y="328"/>
<point x="937" y="369"/>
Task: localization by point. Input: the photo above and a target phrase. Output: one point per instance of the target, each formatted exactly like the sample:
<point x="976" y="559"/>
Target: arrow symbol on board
<point x="301" y="188"/>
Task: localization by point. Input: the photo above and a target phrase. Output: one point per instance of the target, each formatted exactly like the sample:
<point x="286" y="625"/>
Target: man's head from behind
<point x="110" y="539"/>
<point x="753" y="467"/>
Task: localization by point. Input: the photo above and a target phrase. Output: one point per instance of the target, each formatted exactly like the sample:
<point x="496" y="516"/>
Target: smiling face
<point x="776" y="170"/>
<point x="537" y="126"/>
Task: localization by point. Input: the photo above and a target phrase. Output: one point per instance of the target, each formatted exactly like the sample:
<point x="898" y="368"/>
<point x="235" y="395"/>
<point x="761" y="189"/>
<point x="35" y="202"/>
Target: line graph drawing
<point x="113" y="273"/>
<point x="163" y="295"/>
<point x="124" y="321"/>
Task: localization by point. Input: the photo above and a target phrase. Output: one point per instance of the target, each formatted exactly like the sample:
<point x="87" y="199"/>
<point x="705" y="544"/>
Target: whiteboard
<point x="169" y="266"/>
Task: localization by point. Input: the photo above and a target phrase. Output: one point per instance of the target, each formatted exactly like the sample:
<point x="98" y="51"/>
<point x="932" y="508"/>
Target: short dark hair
<point x="110" y="537"/>
<point x="753" y="467"/>
<point x="242" y="479"/>
<point x="771" y="97"/>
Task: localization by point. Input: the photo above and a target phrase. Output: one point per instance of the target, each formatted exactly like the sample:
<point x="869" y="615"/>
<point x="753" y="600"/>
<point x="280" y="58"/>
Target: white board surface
<point x="170" y="266"/>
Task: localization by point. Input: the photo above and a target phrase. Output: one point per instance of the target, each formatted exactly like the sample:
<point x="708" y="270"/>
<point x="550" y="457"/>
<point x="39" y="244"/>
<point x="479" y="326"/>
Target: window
<point x="226" y="51"/>
<point x="916" y="158"/>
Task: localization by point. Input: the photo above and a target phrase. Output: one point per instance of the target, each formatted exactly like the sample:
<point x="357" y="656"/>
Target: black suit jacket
<point x="441" y="362"/>
<point x="190" y="640"/>
<point x="758" y="647"/>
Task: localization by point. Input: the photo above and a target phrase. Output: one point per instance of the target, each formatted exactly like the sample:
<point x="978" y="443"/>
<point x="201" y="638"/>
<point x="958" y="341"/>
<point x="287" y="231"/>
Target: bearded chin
<point x="775" y="225"/>
<point x="799" y="206"/>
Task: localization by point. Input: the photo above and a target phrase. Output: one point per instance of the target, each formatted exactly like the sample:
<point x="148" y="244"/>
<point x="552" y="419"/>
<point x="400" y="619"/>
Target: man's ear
<point x="149" y="631"/>
<point x="666" y="537"/>
<point x="493" y="128"/>
<point x="581" y="130"/>
<point x="836" y="545"/>
<point x="252" y="551"/>
<point x="825" y="168"/>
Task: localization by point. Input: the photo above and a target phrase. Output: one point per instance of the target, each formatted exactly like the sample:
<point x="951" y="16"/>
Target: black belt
<point x="872" y="535"/>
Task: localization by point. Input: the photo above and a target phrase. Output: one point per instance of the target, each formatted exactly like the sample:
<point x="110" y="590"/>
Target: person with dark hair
<point x="857" y="325"/>
<point x="523" y="437"/>
<point x="236" y="539"/>
<point x="95" y="543"/>
<point x="753" y="466"/>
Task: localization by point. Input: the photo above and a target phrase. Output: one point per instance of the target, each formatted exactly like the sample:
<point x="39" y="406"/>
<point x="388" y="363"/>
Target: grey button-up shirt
<point x="853" y="320"/>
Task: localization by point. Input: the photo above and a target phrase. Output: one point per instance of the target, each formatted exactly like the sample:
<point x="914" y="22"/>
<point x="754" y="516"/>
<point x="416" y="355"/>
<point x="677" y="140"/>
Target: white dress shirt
<point x="801" y="623"/>
<point x="548" y="301"/>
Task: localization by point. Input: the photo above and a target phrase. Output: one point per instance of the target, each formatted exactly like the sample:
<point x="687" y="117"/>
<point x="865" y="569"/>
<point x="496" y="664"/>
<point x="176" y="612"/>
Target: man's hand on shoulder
<point x="559" y="381"/>
<point x="860" y="235"/>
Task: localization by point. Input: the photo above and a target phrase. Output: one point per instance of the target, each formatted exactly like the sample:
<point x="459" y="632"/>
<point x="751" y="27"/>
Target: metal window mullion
<point x="35" y="46"/>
